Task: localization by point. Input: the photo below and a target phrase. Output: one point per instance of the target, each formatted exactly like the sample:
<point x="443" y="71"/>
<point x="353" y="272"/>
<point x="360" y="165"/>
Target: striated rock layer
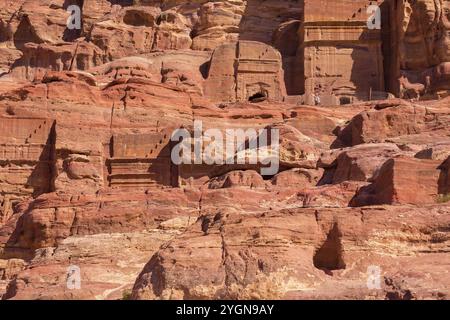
<point x="92" y="205"/>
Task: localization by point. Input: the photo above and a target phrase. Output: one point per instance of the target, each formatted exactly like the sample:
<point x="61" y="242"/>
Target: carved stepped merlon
<point x="361" y="13"/>
<point x="41" y="131"/>
<point x="24" y="130"/>
<point x="141" y="160"/>
<point x="140" y="145"/>
<point x="26" y="146"/>
<point x="338" y="11"/>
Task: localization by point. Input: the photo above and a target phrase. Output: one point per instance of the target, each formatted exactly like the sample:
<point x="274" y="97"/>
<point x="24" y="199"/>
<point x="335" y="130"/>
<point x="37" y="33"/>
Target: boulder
<point x="403" y="180"/>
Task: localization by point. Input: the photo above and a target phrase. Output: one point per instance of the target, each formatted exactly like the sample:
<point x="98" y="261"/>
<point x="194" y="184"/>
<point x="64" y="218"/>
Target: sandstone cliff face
<point x="86" y="175"/>
<point x="282" y="254"/>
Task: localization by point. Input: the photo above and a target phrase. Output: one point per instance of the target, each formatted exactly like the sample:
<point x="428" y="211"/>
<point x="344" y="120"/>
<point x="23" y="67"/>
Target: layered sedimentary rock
<point x="89" y="119"/>
<point x="400" y="49"/>
<point x="283" y="254"/>
<point x="27" y="160"/>
<point x="331" y="44"/>
<point x="403" y="180"/>
<point x="423" y="47"/>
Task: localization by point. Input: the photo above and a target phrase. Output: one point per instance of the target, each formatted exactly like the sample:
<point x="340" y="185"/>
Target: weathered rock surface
<point x="87" y="181"/>
<point x="302" y="253"/>
<point x="405" y="181"/>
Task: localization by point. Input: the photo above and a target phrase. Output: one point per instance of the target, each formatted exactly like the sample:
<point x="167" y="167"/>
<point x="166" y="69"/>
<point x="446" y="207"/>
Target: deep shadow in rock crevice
<point x="444" y="178"/>
<point x="329" y="256"/>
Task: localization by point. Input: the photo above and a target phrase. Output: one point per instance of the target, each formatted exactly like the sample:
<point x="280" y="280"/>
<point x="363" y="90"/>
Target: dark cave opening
<point x="258" y="97"/>
<point x="345" y="100"/>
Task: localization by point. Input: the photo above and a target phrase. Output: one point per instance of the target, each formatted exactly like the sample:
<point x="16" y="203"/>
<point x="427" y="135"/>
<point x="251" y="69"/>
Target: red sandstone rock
<point x="86" y="177"/>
